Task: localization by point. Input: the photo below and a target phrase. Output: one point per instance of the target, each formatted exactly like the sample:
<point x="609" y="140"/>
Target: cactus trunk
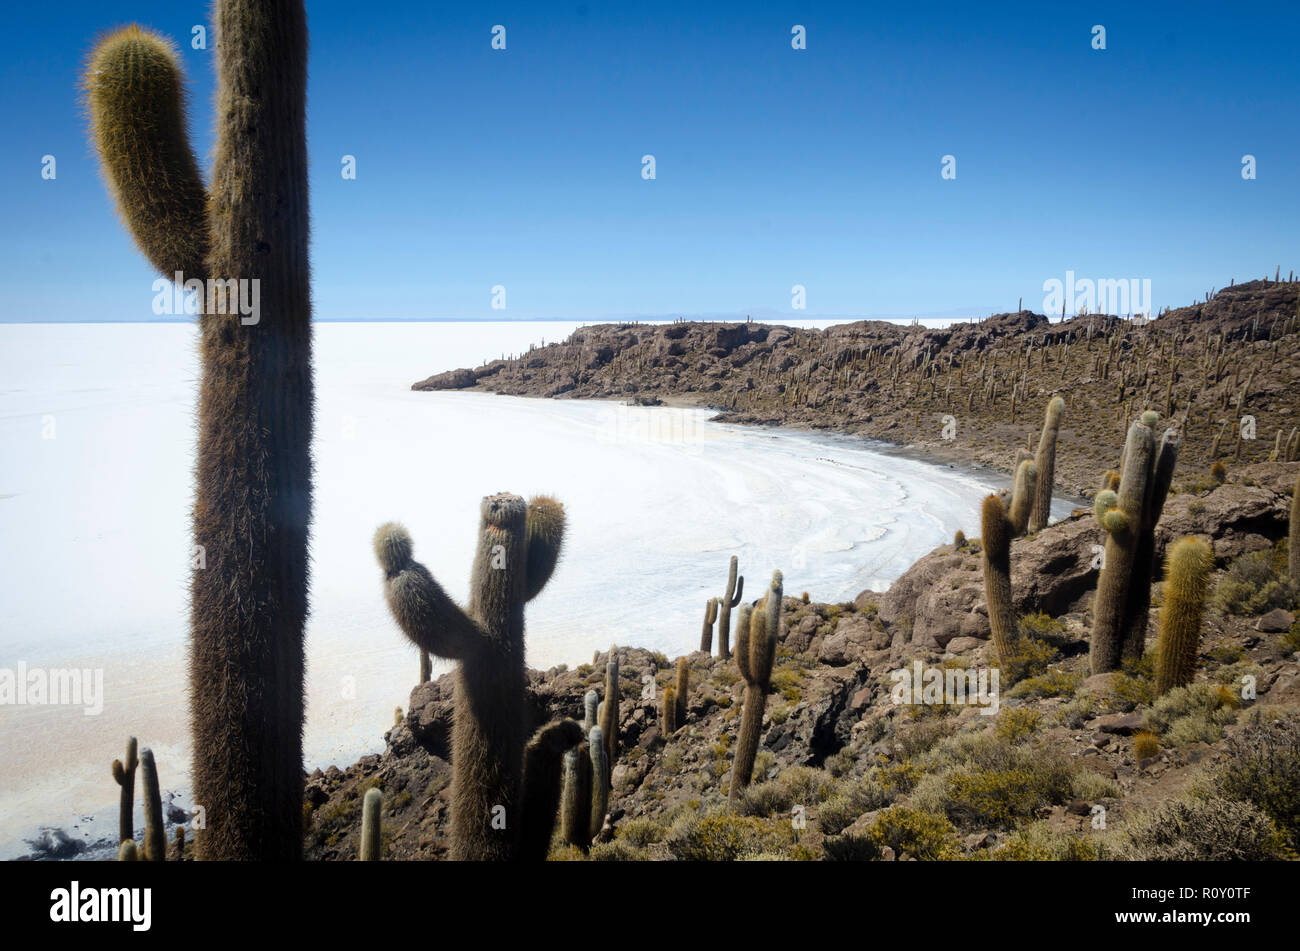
<point x="371" y="825"/>
<point x="155" y="838"/>
<point x="755" y="652"/>
<point x="995" y="546"/>
<point x="1045" y="460"/>
<point x="730" y="598"/>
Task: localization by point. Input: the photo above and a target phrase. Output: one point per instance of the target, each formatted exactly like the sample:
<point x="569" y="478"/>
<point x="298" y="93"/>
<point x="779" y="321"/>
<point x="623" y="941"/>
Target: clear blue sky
<point x="775" y="167"/>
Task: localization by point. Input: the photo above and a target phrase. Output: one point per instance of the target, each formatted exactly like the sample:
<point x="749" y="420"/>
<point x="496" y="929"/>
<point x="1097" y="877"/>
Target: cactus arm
<point x="424" y="612"/>
<point x="135" y="96"/>
<point x="589" y="703"/>
<point x="668" y="712"/>
<point x="740" y="590"/>
<point x="1022" y="497"/>
<point x="371" y="825"/>
<point x="541" y="786"/>
<point x="735" y="585"/>
<point x="544" y="538"/>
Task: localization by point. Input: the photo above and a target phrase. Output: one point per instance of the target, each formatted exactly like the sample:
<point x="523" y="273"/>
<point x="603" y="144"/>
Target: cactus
<point x="959" y="540"/>
<point x="668" y="712"/>
<point x="1293" y="534"/>
<point x="683" y="689"/>
<point x="1218" y="473"/>
<point x="575" y="804"/>
<point x="127" y="851"/>
<point x="248" y="594"/>
<point x="518" y="547"/>
<point x="125" y="777"/>
<point x="371" y="825"/>
<point x="600" y="781"/>
<point x="541" y="793"/>
<point x="426" y="667"/>
<point x="995" y="549"/>
<point x="1129" y="517"/>
<point x="706" y="633"/>
<point x="589" y="703"/>
<point x="730" y="598"/>
<point x="1045" y="461"/>
<point x="1187" y="574"/>
<point x="155" y="838"/>
<point x="179" y="855"/>
<point x="609" y="709"/>
<point x="755" y="651"/>
<point x="1022" y="497"/>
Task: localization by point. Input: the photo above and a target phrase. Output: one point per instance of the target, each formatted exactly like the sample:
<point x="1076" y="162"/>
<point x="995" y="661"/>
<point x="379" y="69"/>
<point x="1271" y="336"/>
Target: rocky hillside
<point x="1068" y="766"/>
<point x="967" y="393"/>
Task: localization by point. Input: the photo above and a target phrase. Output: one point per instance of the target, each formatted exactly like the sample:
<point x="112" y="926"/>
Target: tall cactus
<point x="541" y="793"/>
<point x="730" y="598"/>
<point x="1121" y="517"/>
<point x="1137" y="607"/>
<point x="124" y="775"/>
<point x="995" y="548"/>
<point x="1045" y="460"/>
<point x="155" y="837"/>
<point x="518" y="547"/>
<point x="600" y="783"/>
<point x="1187" y="576"/>
<point x="706" y="633"/>
<point x="590" y="701"/>
<point x="683" y="689"/>
<point x="755" y="652"/>
<point x="1293" y="534"/>
<point x="575" y="804"/>
<point x="668" y="712"/>
<point x="371" y="825"/>
<point x="609" y="709"/>
<point x="248" y="591"/>
<point x="1022" y="497"/>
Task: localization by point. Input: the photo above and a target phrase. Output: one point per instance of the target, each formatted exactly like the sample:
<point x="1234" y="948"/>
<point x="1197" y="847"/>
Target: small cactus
<point x="155" y="838"/>
<point x="995" y="548"/>
<point x="127" y="851"/>
<point x="371" y="825"/>
<point x="609" y="709"/>
<point x="755" y="652"/>
<point x="1045" y="462"/>
<point x="730" y="598"/>
<point x="600" y="781"/>
<point x="706" y="633"/>
<point x="683" y="689"/>
<point x="590" y="701"/>
<point x="575" y="804"/>
<point x="959" y="540"/>
<point x="1218" y="472"/>
<point x="1187" y="574"/>
<point x="124" y="775"/>
<point x="668" y="712"/>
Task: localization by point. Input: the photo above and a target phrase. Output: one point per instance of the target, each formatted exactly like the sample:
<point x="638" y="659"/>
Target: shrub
<point x="722" y="837"/>
<point x="1053" y="682"/>
<point x="1017" y="724"/>
<point x="640" y="832"/>
<point x="1145" y="745"/>
<point x="1043" y="627"/>
<point x="1030" y="658"/>
<point x="617" y="850"/>
<point x="851" y="848"/>
<point x="852" y="800"/>
<point x="922" y="835"/>
<point x="1040" y="842"/>
<point x="1197" y="712"/>
<point x="799" y="785"/>
<point x="1264" y="769"/>
<point x="1077" y="712"/>
<point x="1195" y="828"/>
<point x="1252" y="586"/>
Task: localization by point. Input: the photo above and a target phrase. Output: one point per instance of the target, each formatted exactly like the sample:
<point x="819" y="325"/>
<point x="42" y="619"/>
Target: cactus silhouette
<point x="755" y="651"/>
<point x="730" y="598"/>
<point x="600" y="782"/>
<point x="995" y="555"/>
<point x="155" y="838"/>
<point x="575" y="805"/>
<point x="609" y="709"/>
<point x="706" y="633"/>
<point x="124" y="774"/>
<point x="1045" y="461"/>
<point x="668" y="712"/>
<point x="1022" y="497"/>
<point x="248" y="592"/>
<point x="683" y="689"/>
<point x="371" y="825"/>
<point x="1187" y="576"/>
<point x="518" y="547"/>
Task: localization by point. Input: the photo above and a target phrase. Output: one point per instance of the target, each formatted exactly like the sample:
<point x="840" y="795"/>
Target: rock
<point x="962" y="644"/>
<point x="1079" y="807"/>
<point x="1277" y="621"/>
<point x="1101" y="739"/>
<point x="1123" y="724"/>
<point x="450" y="380"/>
<point x="853" y="638"/>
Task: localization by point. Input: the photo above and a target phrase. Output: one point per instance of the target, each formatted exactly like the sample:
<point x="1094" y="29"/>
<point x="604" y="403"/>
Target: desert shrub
<point x="1031" y="658"/>
<point x="851" y="848"/>
<point x="788" y="684"/>
<point x="1196" y="712"/>
<point x="913" y="738"/>
<point x="851" y="800"/>
<point x="1017" y="723"/>
<point x="1040" y="842"/>
<point x="1197" y="828"/>
<point x="1145" y="745"/>
<point x="1052" y="682"/>
<point x="987" y="780"/>
<point x="1043" y="627"/>
<point x="1077" y="712"/>
<point x="922" y="835"/>
<point x="1090" y="786"/>
<point x="1252" y="586"/>
<point x="897" y="778"/>
<point x="722" y="837"/>
<point x="799" y="785"/>
<point x="617" y="850"/>
<point x="640" y="832"/>
<point x="1263" y="768"/>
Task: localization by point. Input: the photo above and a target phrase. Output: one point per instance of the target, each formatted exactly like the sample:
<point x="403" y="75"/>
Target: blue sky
<point x="775" y="167"/>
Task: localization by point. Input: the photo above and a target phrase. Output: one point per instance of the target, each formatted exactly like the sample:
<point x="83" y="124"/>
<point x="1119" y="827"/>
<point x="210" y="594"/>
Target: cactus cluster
<point x="1187" y="578"/>
<point x="503" y="795"/>
<point x="1128" y="517"/>
<point x="253" y="470"/>
<point x="756" y="638"/>
<point x="586" y="791"/>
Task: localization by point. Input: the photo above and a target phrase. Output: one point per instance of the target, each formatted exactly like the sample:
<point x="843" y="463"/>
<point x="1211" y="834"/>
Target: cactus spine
<point x="518" y="547"/>
<point x="371" y="825"/>
<point x="155" y="839"/>
<point x="995" y="548"/>
<point x="609" y="709"/>
<point x="683" y="689"/>
<point x="1045" y="460"/>
<point x="248" y="601"/>
<point x="730" y="598"/>
<point x="125" y="777"/>
<point x="669" y="712"/>
<point x="1022" y="497"/>
<point x="1187" y="575"/>
<point x="706" y="633"/>
<point x="755" y="651"/>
